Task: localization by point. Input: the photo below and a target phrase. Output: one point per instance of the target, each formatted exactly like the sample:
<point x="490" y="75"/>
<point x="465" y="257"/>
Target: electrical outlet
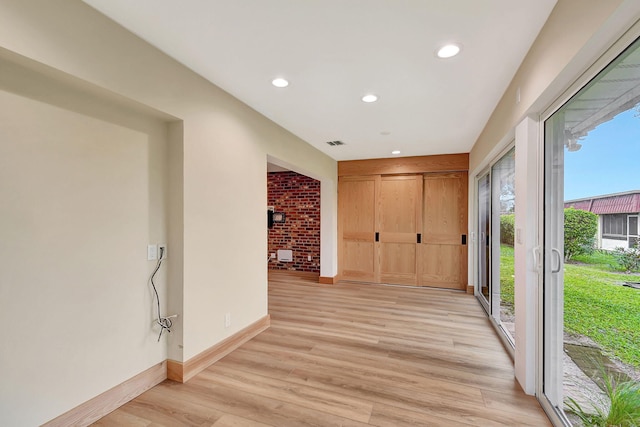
<point x="272" y="255"/>
<point x="227" y="320"/>
<point x="309" y="258"/>
<point x="162" y="251"/>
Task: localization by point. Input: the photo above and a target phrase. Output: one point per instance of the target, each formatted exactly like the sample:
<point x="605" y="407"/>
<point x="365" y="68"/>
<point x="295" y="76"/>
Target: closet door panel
<point x="443" y="257"/>
<point x="399" y="218"/>
<point x="357" y="207"/>
<point x="441" y="266"/>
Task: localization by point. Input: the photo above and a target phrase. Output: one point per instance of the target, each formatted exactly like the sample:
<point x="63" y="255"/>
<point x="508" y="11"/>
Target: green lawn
<point x="507" y="271"/>
<point x="600" y="260"/>
<point x="595" y="304"/>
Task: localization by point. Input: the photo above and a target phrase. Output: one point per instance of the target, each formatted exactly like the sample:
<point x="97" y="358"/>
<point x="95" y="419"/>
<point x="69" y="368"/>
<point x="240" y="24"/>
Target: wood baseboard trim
<point x="325" y="280"/>
<point x="96" y="408"/>
<point x="470" y="289"/>
<point x="101" y="405"/>
<point x="293" y="273"/>
<point x="183" y="372"/>
<point x="175" y="370"/>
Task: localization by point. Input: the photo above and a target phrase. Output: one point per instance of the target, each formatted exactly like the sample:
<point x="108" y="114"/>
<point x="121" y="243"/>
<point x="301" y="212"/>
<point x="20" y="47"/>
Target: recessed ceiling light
<point x="449" y="50"/>
<point x="395" y="152"/>
<point x="280" y="82"/>
<point x="369" y="98"/>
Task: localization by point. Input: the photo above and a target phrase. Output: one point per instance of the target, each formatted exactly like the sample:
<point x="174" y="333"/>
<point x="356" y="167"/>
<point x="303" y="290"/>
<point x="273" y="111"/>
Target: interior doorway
<point x="293" y="215"/>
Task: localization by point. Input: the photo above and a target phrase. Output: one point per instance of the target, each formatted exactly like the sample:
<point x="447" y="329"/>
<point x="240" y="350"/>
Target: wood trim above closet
<point x="402" y="165"/>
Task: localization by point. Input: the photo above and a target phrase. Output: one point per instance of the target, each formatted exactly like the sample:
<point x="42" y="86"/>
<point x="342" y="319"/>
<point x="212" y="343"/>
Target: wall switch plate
<point x="309" y="258"/>
<point x="227" y="320"/>
<point x="152" y="252"/>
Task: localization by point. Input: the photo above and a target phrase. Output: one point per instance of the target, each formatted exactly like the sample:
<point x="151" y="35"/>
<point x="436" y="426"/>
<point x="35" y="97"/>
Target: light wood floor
<point x="351" y="355"/>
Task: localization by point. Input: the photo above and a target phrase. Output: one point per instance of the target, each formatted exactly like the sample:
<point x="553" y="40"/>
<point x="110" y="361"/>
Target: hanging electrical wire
<point x="164" y="322"/>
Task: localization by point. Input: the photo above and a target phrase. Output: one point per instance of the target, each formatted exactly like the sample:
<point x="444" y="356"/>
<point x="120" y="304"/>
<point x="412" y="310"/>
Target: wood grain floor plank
<point x="392" y="416"/>
<point x="351" y="355"/>
<point x="286" y="391"/>
<point x="234" y="421"/>
<point x="122" y="418"/>
<point x="265" y="409"/>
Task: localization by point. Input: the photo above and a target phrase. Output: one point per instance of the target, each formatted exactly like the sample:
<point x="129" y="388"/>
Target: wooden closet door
<point x="399" y="219"/>
<point x="356" y="228"/>
<point x="443" y="257"/>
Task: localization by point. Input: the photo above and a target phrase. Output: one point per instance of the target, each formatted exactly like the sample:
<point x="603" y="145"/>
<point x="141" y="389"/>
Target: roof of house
<point x="627" y="202"/>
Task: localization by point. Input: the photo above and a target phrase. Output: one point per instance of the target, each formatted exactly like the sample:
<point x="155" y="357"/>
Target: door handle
<point x="536" y="258"/>
<point x="377" y="236"/>
<point x="464" y="239"/>
<point x="559" y="255"/>
<point x="419" y="239"/>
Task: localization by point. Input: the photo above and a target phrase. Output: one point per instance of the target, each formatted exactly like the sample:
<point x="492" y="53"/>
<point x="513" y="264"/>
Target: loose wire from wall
<point x="164" y="322"/>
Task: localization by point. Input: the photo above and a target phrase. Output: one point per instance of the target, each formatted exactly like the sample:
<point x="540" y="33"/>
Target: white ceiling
<point x="335" y="51"/>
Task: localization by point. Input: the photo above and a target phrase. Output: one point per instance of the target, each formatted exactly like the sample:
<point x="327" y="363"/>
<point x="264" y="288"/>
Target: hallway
<point x="352" y="355"/>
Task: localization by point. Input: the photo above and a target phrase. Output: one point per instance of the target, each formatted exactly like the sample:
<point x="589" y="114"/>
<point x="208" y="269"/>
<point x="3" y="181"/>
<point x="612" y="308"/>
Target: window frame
<point x="620" y="222"/>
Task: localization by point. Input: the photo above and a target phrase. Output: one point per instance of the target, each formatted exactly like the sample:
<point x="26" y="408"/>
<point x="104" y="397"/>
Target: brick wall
<point x="298" y="196"/>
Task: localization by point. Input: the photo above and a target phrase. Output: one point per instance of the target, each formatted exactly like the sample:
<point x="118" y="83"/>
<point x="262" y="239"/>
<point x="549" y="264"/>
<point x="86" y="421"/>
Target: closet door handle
<point x="377" y="236"/>
<point x="419" y="240"/>
<point x="464" y="239"/>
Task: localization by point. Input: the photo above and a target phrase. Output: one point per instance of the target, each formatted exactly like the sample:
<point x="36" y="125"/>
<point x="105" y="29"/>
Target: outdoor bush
<point x="507" y="229"/>
<point x="579" y="232"/>
<point x="622" y="405"/>
<point x="629" y="259"/>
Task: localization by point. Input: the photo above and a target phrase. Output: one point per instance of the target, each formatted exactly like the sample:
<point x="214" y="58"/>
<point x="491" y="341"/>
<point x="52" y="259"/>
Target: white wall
<point x="217" y="195"/>
<point x="611" y="244"/>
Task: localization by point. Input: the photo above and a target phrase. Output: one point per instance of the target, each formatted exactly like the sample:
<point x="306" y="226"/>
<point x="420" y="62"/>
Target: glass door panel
<point x="484" y="239"/>
<point x="553" y="272"/>
<point x="502" y="254"/>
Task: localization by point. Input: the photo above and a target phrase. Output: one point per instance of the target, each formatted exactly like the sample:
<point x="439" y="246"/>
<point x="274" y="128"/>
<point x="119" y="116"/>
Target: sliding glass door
<point x="589" y="321"/>
<point x="496" y="204"/>
<point x="484" y="239"/>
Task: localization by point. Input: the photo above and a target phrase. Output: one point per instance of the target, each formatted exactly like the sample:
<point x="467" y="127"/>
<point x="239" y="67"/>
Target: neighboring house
<point x="617" y="217"/>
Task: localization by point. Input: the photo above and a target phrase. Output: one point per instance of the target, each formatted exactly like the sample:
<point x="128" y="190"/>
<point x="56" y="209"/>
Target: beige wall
<point x="82" y="195"/>
<point x="556" y="57"/>
<point x="211" y="208"/>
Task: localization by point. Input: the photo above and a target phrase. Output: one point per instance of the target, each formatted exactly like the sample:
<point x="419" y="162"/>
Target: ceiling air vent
<point x="334" y="143"/>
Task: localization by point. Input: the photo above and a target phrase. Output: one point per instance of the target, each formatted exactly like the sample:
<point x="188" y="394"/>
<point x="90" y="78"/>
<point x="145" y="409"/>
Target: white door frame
<point x="558" y="419"/>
